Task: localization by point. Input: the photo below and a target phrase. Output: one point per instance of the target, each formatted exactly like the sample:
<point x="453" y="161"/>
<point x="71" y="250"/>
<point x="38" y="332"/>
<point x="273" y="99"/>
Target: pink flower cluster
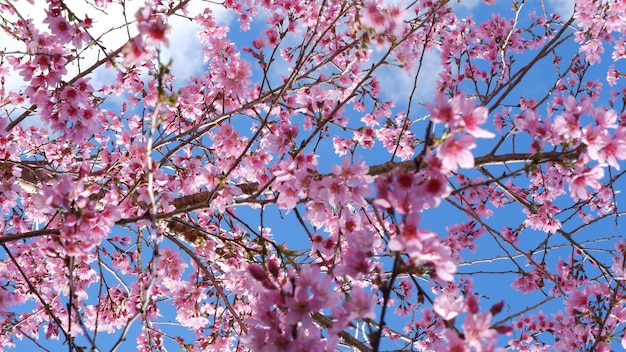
<point x="385" y="21"/>
<point x="405" y="193"/>
<point x="458" y="114"/>
<point x="478" y="334"/>
<point x="152" y="31"/>
<point x="82" y="224"/>
<point x="284" y="311"/>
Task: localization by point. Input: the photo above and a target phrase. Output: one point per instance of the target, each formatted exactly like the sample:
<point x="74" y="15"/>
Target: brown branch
<point x="201" y="200"/>
<point x="327" y="323"/>
<point x="409" y="165"/>
<point x="21" y="236"/>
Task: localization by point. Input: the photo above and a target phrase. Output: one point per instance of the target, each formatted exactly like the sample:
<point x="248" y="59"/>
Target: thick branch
<point x="350" y="340"/>
<point x="376" y="170"/>
<point x="200" y="200"/>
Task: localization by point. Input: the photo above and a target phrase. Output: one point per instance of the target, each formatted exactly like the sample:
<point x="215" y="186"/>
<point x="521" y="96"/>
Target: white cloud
<point x="463" y="7"/>
<point x="109" y="27"/>
<point x="396" y="84"/>
<point x="184" y="46"/>
<point x="565" y="8"/>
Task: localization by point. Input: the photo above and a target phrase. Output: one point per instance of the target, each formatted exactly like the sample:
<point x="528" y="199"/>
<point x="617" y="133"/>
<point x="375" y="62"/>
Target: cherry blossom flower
<point x="135" y="52"/>
<point x="151" y="25"/>
<point x="454" y="343"/>
<point x="387" y="20"/>
<point x="583" y="179"/>
<point x="361" y="304"/>
<point x="455" y="153"/>
<point x="448" y="308"/>
<point x="460" y="112"/>
<point x="442" y="111"/>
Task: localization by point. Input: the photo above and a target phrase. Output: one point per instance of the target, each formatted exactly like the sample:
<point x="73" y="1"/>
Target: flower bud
<point x="497" y="308"/>
<point x="472" y="304"/>
<point x="504" y="330"/>
<point x="272" y="267"/>
<point x="257" y="272"/>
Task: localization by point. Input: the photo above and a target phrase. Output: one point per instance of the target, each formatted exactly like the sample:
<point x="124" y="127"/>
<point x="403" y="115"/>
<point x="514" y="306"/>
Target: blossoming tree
<point x="280" y="200"/>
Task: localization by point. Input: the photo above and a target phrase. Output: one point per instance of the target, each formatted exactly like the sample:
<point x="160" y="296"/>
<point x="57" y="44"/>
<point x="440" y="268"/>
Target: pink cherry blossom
<point x="455" y="153"/>
<point x="583" y="179"/>
<point x="448" y="308"/>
